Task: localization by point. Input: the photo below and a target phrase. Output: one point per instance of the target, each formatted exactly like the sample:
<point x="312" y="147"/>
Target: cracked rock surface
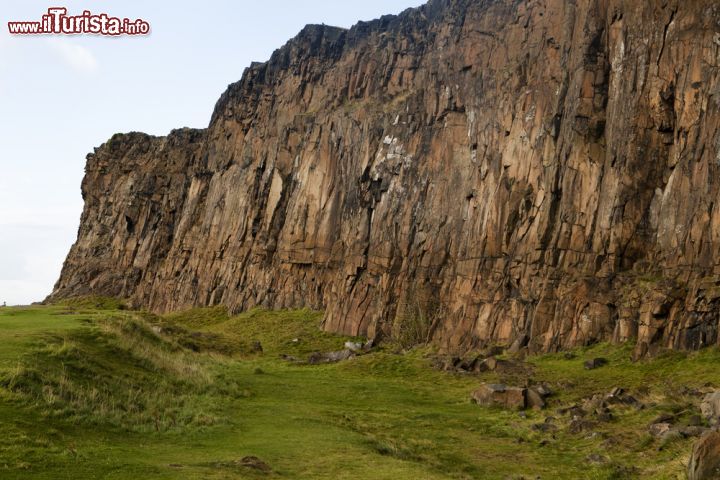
<point x="539" y="169"/>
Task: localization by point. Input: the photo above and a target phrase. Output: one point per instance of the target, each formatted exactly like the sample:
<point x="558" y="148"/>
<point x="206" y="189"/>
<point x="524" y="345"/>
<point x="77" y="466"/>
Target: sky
<point x="60" y="96"/>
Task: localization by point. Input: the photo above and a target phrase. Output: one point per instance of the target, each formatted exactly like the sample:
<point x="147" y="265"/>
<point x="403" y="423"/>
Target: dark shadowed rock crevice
<point x="544" y="170"/>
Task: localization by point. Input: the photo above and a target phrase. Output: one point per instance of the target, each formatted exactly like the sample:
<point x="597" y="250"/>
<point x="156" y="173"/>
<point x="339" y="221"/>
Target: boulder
<point x="534" y="399"/>
<point x="500" y="395"/>
<point x="579" y="425"/>
<point x="710" y="407"/>
<point x="520" y="342"/>
<point x="468" y="364"/>
<point x="543" y="390"/>
<point x="354" y="346"/>
<point x="493" y="364"/>
<point x="659" y="429"/>
<point x="490" y="363"/>
<point x="594" y="402"/>
<point x="603" y="414"/>
<point x="595" y="363"/>
<point x="705" y="459"/>
<point x="330" y="357"/>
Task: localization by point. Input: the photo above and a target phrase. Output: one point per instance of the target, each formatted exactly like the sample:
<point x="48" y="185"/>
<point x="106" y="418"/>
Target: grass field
<point x="89" y="390"/>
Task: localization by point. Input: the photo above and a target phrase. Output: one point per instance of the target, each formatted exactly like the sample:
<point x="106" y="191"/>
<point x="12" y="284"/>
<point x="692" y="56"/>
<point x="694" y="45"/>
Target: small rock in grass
<point x="578" y="425"/>
<point x="659" y="429"/>
<point x="595" y="363"/>
<point x="255" y="463"/>
<point x="354" y="346"/>
<point x="330" y="357"/>
<point x="534" y="399"/>
<point x="603" y="415"/>
<point x="543" y="390"/>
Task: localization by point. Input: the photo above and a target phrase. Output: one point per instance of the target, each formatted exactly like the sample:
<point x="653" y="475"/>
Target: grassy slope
<point x="380" y="416"/>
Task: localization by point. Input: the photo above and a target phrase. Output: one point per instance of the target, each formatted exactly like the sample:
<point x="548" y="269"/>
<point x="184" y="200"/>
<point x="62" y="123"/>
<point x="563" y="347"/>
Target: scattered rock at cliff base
<point x="360" y="347"/>
<point x="595" y="363"/>
<point x="512" y="398"/>
<point x="476" y="363"/>
<point x="660" y="429"/>
<point x="254" y="463"/>
<point x="330" y="357"/>
<point x="354" y="346"/>
<point x="705" y="459"/>
<point x="710" y="407"/>
<point x="534" y="399"/>
<point x="500" y="395"/>
<point x="519" y="343"/>
<point x="579" y="425"/>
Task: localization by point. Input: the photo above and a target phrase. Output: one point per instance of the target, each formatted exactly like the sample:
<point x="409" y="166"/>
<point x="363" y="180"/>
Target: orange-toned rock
<point x="542" y="170"/>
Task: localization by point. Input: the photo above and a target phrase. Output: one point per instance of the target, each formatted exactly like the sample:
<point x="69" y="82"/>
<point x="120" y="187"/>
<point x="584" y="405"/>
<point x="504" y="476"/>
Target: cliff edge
<point x="545" y="172"/>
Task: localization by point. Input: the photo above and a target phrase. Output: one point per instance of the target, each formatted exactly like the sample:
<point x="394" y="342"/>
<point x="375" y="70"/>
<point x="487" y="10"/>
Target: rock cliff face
<point x="542" y="170"/>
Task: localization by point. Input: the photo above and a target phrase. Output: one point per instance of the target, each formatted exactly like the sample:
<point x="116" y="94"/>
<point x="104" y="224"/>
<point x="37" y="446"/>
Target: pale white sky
<point x="60" y="96"/>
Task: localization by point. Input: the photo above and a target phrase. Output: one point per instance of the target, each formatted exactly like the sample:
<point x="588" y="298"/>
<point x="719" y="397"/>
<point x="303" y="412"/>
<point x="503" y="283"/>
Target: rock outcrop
<point x="503" y="169"/>
<point x="704" y="461"/>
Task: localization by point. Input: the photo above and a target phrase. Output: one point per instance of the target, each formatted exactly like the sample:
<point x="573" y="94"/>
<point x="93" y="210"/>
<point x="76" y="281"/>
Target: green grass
<point x="91" y="390"/>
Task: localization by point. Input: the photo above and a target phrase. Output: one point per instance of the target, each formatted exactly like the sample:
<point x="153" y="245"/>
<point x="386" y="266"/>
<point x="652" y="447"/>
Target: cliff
<point x="539" y="171"/>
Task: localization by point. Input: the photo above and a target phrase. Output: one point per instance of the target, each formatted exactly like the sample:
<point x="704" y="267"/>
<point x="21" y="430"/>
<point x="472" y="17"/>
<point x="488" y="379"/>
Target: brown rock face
<point x="705" y="459"/>
<point x="540" y="168"/>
